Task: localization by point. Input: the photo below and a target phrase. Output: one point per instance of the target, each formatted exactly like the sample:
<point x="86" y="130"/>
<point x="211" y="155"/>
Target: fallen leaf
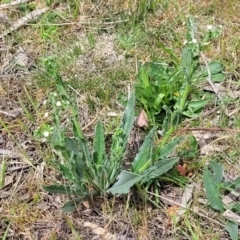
<point x="207" y="149"/>
<point x="182" y="169"/>
<point x="86" y="204"/>
<point x="187" y="195"/>
<point x="172" y="211"/>
<point x="142" y="119"/>
<point x="100" y="231"/>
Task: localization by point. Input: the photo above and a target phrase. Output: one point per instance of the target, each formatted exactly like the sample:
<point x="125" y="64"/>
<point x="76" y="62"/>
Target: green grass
<point x="98" y="46"/>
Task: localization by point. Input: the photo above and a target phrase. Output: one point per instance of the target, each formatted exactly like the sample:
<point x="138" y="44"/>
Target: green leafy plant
<point x="214" y="185"/>
<point x="166" y="90"/>
<point x="89" y="168"/>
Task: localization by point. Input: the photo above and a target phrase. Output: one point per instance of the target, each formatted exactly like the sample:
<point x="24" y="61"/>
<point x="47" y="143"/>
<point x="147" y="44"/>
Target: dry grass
<point x="97" y="46"/>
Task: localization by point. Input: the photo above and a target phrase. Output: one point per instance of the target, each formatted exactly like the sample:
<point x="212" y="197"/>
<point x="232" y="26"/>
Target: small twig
<point x="13" y="4"/>
<point x="8" y="114"/>
<point x="209" y="78"/>
<point x="32" y="16"/>
<point x="94" y="120"/>
<point x="180" y="205"/>
<point x="210" y="129"/>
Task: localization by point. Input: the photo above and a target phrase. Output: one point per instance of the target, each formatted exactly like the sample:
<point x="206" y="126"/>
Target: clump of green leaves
<point x="89" y="169"/>
<point x="215" y="185"/>
<point x="166" y="90"/>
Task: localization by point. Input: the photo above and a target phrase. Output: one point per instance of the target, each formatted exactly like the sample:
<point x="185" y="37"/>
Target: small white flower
<point x="44" y="102"/>
<point x="185" y="42"/>
<point x="54" y="94"/>
<point x="46" y="114"/>
<point x="194" y="40"/>
<point x="46" y="134"/>
<point x="209" y="27"/>
<point x="58" y="103"/>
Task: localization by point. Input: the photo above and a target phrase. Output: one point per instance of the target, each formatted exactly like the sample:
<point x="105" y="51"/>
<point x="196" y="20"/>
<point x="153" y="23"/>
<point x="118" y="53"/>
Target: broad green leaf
<point x="213" y="195"/>
<point x="143" y="77"/>
<point x="128" y="115"/>
<point x="125" y="181"/>
<point x="217" y="171"/>
<point x="159" y="168"/>
<point x="144" y="156"/>
<point x="232" y="229"/>
<point x="86" y="156"/>
<point x="235" y="207"/>
<point x="214" y="68"/>
<point x="190" y="114"/>
<point x="194" y="106"/>
<point x="236" y="182"/>
<point x="99" y="144"/>
<point x="65" y="171"/>
<point x="71" y="145"/>
<point x="187" y="61"/>
<point x="167" y="149"/>
<point x="58" y="189"/>
<point x="70" y="206"/>
<point x="220" y="77"/>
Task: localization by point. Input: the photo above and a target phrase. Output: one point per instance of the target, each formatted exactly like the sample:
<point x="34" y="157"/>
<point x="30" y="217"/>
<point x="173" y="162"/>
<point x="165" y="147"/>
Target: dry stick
<point x="209" y="76"/>
<point x="32" y="16"/>
<point x="210" y="129"/>
<point x="180" y="205"/>
<point x="8" y="114"/>
<point x="13" y="4"/>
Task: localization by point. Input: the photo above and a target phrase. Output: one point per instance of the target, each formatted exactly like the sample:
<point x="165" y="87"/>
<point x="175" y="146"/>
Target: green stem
<point x="166" y="137"/>
<point x="184" y="96"/>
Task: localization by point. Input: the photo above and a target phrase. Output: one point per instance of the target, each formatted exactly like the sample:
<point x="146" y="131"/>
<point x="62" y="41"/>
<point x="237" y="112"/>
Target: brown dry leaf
<point x="100" y="231"/>
<point x="187" y="195"/>
<point x="172" y="211"/>
<point x="182" y="169"/>
<point x="207" y="149"/>
<point x="142" y="119"/>
<point x="86" y="204"/>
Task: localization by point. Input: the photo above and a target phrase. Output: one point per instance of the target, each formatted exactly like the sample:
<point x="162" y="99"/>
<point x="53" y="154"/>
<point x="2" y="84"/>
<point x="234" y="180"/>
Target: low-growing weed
<point x="215" y="185"/>
<point x="89" y="168"/>
<point x="166" y="89"/>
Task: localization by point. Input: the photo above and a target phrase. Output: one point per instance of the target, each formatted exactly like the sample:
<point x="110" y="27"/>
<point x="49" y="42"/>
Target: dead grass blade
<point x="192" y="210"/>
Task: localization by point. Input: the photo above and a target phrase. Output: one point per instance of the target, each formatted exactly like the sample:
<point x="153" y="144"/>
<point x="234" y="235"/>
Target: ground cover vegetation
<point x="119" y="119"/>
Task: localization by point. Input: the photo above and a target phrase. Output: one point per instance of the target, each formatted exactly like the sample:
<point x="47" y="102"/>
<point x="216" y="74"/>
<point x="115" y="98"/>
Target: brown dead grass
<point x="34" y="214"/>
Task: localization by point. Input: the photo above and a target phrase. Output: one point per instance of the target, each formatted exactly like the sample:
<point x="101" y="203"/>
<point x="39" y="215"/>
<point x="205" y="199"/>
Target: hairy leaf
<point x="212" y="192"/>
<point x="144" y="157"/>
<point x="217" y="171"/>
<point x="187" y="61"/>
<point x="99" y="144"/>
<point x="62" y="189"/>
<point x="232" y="229"/>
<point x="70" y="206"/>
<point x="128" y="115"/>
<point x="167" y="149"/>
<point x="125" y="181"/>
<point x="214" y="68"/>
<point x="219" y="77"/>
<point x="159" y="168"/>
